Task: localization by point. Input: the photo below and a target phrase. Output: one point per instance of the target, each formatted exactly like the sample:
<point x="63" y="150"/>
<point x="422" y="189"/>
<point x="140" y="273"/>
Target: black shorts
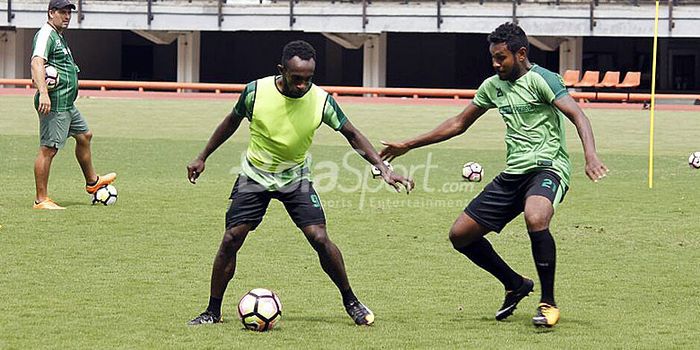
<point x="504" y="198"/>
<point x="249" y="201"/>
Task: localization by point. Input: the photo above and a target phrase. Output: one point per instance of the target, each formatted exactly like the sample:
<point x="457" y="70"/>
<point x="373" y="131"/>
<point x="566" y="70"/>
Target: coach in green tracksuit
<point x="284" y="112"/>
<point x="534" y="103"/>
<point x="58" y="116"/>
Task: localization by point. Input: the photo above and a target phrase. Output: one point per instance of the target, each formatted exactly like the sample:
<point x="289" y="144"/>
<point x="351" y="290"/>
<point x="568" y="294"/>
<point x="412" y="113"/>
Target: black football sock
<point x="348" y="296"/>
<point x="544" y="251"/>
<point x="481" y="253"/>
<point x="215" y="306"/>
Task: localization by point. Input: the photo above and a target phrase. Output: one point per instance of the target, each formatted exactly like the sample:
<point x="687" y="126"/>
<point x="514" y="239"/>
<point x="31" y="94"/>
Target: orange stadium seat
<point x="632" y="80"/>
<point x="571" y="77"/>
<point x="610" y="79"/>
<point x="590" y="78"/>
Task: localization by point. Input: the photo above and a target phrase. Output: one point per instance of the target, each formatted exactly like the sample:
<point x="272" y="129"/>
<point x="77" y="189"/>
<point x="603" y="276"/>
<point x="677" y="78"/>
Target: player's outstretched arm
<point x="359" y="142"/>
<point x="222" y="133"/>
<point x="595" y="169"/>
<point x="445" y="131"/>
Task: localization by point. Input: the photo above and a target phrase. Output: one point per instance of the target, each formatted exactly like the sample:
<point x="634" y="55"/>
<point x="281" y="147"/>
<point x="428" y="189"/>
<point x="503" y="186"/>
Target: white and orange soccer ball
<point x="472" y="172"/>
<point x="51" y="75"/>
<point x="260" y="310"/>
<point x="694" y="160"/>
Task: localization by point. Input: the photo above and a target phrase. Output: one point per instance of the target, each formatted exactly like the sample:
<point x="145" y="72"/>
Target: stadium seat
<point x="610" y="79"/>
<point x="590" y="78"/>
<point x="632" y="80"/>
<point x="571" y="77"/>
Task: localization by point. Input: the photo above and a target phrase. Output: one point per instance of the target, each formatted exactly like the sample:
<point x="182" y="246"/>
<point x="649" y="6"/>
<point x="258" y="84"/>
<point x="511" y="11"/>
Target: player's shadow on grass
<point x="543" y="330"/>
<point x="274" y="330"/>
<point x="78" y="204"/>
<point x="318" y="319"/>
<point x="525" y="320"/>
<point x="512" y="320"/>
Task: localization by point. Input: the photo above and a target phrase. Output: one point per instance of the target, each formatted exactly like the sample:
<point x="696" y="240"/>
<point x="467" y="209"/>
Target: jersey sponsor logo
<point x="524" y="108"/>
<point x="499" y="92"/>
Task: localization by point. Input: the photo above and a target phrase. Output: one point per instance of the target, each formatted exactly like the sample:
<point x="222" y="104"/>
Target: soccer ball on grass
<point x="472" y="172"/>
<point x="694" y="160"/>
<point x="105" y="195"/>
<point x="259" y="310"/>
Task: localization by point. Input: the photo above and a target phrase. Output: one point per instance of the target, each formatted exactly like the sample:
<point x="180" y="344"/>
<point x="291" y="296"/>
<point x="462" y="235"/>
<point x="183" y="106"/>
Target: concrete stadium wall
<point x="451" y="60"/>
<point x="98" y="53"/>
<point x="446" y="60"/>
<point x="420" y="50"/>
<point x="236" y="57"/>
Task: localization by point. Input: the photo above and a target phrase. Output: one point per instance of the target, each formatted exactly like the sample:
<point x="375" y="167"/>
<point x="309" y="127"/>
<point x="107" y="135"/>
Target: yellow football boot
<point x="547" y="315"/>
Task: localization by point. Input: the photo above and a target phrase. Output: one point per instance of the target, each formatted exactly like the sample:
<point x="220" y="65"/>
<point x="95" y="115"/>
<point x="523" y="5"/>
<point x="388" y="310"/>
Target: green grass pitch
<point x="130" y="276"/>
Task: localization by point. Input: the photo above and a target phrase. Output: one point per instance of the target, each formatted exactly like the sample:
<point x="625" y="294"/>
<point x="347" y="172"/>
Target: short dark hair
<point x="512" y="35"/>
<point x="299" y="48"/>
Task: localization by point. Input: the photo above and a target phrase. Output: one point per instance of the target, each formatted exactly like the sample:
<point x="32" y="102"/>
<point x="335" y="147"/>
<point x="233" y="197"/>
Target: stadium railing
<point x="407" y="2"/>
<point x="142" y="86"/>
<point x="153" y="8"/>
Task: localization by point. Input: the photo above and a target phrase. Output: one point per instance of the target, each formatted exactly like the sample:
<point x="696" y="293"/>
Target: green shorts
<point x="55" y="127"/>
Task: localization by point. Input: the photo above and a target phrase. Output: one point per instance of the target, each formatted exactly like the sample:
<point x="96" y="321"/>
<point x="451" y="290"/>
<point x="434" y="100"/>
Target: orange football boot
<point x="47" y="204"/>
<point x="103" y="180"/>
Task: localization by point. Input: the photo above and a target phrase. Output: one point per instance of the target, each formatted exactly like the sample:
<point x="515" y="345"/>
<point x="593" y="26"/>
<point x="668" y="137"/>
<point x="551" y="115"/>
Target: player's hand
<point x="194" y="169"/>
<point x="44" y="104"/>
<point x="394" y="180"/>
<point x="392" y="150"/>
<point x="595" y="169"/>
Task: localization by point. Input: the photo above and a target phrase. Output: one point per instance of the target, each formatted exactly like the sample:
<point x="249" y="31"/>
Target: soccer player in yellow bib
<point x="284" y="112"/>
<point x="533" y="103"/>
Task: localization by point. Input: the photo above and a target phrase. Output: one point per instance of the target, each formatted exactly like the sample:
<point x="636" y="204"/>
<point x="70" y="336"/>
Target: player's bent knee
<point x="461" y="239"/>
<point x="235" y="235"/>
<point x="466" y="231"/>
<point x="537" y="221"/>
<point x="317" y="237"/>
<point x="47" y="151"/>
<point x="454" y="238"/>
<point x="83" y="138"/>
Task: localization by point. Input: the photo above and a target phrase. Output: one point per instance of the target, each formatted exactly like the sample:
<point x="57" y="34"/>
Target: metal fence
<point x="220" y="5"/>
